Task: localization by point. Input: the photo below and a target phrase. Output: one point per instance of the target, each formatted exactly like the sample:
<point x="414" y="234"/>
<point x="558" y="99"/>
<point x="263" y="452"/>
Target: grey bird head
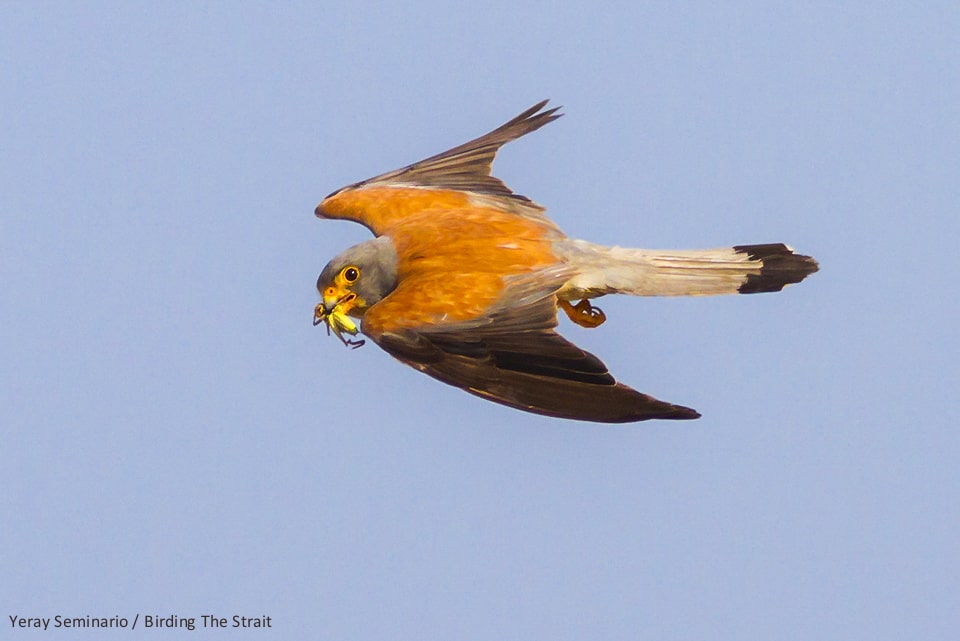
<point x="359" y="277"/>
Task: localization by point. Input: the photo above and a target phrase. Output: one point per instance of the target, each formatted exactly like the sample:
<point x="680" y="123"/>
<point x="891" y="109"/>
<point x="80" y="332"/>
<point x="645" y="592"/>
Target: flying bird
<point x="465" y="277"/>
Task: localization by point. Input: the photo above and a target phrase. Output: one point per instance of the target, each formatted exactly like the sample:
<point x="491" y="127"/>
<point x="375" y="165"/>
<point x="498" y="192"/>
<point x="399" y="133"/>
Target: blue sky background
<point x="179" y="439"/>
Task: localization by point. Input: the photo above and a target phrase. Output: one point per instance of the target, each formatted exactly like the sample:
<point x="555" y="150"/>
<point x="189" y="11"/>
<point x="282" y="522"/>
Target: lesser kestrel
<point x="464" y="279"/>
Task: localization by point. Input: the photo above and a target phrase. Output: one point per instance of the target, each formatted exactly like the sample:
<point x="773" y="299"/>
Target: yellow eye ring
<point x="350" y="274"/>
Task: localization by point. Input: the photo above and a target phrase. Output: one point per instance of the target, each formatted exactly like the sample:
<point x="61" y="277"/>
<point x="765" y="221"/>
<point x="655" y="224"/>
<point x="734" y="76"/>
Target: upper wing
<point x="516" y="358"/>
<point x="446" y="181"/>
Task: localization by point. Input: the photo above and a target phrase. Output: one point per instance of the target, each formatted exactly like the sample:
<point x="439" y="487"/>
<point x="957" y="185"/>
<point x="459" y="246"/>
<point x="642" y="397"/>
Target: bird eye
<point x="351" y="274"/>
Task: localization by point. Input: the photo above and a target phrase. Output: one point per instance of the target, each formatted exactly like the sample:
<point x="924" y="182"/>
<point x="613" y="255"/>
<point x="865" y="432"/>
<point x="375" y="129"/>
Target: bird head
<point x="353" y="282"/>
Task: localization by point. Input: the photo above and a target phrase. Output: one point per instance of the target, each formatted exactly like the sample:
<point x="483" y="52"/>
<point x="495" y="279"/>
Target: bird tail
<point x="742" y="269"/>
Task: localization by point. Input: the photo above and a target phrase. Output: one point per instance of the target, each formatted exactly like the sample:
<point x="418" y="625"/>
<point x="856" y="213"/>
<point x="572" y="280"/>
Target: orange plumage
<point x="465" y="277"/>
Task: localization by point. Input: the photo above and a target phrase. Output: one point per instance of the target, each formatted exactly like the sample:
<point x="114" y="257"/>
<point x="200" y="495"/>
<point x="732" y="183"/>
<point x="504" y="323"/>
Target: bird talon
<point x="583" y="313"/>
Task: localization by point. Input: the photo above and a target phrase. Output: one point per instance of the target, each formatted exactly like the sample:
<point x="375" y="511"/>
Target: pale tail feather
<point x="743" y="269"/>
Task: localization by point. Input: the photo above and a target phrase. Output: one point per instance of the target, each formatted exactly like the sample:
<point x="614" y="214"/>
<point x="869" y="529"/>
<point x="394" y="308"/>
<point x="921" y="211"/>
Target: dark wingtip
<point x="528" y="121"/>
<point x="668" y="412"/>
<point x="637" y="406"/>
<point x="682" y="413"/>
<point x="779" y="267"/>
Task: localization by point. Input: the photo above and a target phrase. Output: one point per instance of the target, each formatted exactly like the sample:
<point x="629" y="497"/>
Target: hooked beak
<point x="334" y="312"/>
<point x="334" y="300"/>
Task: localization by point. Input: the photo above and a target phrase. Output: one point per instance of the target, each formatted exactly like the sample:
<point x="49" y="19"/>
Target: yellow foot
<point x="583" y="313"/>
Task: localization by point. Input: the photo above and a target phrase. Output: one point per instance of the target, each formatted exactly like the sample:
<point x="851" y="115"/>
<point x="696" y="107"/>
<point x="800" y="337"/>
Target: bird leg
<point x="583" y="313"/>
